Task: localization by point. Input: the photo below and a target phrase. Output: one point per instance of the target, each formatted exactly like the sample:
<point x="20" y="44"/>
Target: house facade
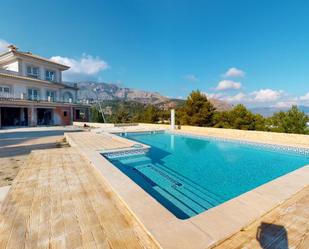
<point x="32" y="92"/>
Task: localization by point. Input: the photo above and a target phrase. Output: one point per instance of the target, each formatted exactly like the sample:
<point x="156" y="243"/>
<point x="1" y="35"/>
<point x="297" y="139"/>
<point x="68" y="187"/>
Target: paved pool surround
<point x="214" y="225"/>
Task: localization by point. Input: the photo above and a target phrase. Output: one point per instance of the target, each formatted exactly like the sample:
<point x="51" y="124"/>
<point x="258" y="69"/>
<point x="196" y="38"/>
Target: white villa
<point x="32" y="92"/>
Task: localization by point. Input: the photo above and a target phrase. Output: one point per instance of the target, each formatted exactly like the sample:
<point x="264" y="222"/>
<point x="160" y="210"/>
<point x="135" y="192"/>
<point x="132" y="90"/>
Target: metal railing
<point x="24" y="97"/>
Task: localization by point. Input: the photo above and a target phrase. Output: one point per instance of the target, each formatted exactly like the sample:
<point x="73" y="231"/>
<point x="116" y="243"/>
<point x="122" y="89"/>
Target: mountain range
<point x="99" y="91"/>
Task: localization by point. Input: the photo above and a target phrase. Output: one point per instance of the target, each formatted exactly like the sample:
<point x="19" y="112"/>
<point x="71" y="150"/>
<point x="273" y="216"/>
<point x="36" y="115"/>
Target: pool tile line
<point x="270" y="146"/>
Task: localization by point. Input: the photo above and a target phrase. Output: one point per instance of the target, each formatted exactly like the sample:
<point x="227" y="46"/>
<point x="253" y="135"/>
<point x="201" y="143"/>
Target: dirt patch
<point x="14" y="152"/>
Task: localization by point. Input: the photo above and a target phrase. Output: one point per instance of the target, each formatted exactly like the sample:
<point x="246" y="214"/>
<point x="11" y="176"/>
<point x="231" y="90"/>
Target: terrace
<point x="16" y="97"/>
<point x="272" y="216"/>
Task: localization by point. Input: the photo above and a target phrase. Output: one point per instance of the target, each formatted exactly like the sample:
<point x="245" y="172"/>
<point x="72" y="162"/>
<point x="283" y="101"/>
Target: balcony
<point x="9" y="97"/>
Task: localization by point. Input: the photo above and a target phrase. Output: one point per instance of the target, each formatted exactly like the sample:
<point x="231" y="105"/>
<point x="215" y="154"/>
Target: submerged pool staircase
<point x="173" y="190"/>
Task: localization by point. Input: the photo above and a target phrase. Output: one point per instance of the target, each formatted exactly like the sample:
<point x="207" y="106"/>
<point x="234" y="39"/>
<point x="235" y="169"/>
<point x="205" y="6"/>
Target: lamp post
<point x="98" y="101"/>
<point x="173" y="119"/>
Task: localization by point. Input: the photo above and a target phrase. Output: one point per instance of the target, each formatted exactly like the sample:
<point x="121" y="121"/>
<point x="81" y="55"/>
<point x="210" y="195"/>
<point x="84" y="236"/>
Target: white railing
<point x="24" y="97"/>
<point x="9" y="72"/>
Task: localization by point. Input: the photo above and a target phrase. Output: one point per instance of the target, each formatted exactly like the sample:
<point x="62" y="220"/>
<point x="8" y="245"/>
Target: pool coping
<point x="208" y="228"/>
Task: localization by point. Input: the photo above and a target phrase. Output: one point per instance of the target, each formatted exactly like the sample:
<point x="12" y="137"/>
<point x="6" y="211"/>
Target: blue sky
<point x="250" y="51"/>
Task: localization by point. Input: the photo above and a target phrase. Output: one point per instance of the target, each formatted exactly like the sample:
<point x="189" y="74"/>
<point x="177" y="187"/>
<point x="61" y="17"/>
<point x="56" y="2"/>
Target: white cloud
<point x="305" y="97"/>
<point x="214" y="95"/>
<point x="261" y="97"/>
<point x="85" y="67"/>
<point x="266" y="95"/>
<point x="239" y="97"/>
<point x="191" y="78"/>
<point x="3" y="46"/>
<point x="228" y="85"/>
<point x="257" y="97"/>
<point x="285" y="104"/>
<point x="234" y="72"/>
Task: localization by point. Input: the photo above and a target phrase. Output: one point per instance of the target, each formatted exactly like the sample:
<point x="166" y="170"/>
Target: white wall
<point x="42" y="67"/>
<point x="12" y="66"/>
<point x="21" y="87"/>
<point x="17" y="89"/>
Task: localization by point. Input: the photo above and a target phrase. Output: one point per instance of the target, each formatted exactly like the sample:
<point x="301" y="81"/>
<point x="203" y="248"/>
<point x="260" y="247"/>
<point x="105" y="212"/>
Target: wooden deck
<point x="16" y="146"/>
<point x="93" y="141"/>
<point x="287" y="226"/>
<point x="59" y="201"/>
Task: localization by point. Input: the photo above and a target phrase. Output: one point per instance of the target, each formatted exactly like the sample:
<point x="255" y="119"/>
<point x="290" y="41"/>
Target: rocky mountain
<point x="95" y="91"/>
<point x="221" y="105"/>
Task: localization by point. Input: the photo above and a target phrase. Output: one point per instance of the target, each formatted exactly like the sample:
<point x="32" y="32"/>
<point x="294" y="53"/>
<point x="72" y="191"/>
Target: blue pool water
<point x="189" y="175"/>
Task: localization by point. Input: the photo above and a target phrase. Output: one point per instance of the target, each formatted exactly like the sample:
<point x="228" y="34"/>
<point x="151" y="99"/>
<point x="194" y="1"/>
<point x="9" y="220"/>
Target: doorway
<point x="44" y="116"/>
<point x="14" y="116"/>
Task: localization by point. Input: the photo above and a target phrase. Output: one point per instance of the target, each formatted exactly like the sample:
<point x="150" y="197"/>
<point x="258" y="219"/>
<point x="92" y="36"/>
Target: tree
<point x="242" y="118"/>
<point x="96" y="115"/>
<point x="150" y="114"/>
<point x="197" y="110"/>
<point x="121" y="116"/>
<point x="239" y="118"/>
<point x="222" y="120"/>
<point x="292" y="121"/>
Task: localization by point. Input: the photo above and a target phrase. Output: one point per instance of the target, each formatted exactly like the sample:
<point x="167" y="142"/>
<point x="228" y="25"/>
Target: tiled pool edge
<point x="208" y="228"/>
<point x="92" y="156"/>
<point x="267" y="145"/>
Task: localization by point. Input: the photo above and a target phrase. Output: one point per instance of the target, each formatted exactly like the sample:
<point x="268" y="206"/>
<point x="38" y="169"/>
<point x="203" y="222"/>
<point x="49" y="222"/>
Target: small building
<point x="32" y="92"/>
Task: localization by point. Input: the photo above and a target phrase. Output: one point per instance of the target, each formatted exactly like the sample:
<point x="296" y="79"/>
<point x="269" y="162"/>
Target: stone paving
<point x="58" y="200"/>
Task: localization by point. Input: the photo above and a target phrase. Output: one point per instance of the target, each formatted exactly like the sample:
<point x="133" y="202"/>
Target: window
<point x="33" y="71"/>
<point x="4" y="89"/>
<point x="80" y="114"/>
<point x="51" y="95"/>
<point x="77" y="114"/>
<point x="33" y="94"/>
<point x="50" y="75"/>
<point x="64" y="113"/>
<point x="68" y="97"/>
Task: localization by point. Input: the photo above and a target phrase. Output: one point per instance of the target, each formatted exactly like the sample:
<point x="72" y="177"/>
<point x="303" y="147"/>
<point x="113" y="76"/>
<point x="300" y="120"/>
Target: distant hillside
<point x="221" y="105"/>
<point x="95" y="91"/>
<point x="103" y="91"/>
<point x="269" y="111"/>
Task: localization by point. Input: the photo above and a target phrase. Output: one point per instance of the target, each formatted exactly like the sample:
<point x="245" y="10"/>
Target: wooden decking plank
<point x="60" y="201"/>
<point x="286" y="225"/>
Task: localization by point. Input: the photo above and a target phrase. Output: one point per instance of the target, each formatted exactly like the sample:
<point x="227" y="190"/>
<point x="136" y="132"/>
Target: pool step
<point x="194" y="188"/>
<point x="185" y="195"/>
<point x="135" y="161"/>
<point x="175" y="202"/>
<point x="174" y="188"/>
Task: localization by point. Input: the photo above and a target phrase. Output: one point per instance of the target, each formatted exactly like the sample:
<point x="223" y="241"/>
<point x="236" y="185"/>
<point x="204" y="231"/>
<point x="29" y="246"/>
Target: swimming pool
<point x="189" y="175"/>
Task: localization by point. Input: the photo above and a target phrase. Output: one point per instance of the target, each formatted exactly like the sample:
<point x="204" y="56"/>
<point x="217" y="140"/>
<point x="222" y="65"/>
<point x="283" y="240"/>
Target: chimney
<point x="12" y="48"/>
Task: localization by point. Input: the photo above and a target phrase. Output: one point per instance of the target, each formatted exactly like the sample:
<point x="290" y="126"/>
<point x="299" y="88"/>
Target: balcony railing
<point x="9" y="72"/>
<point x="24" y="97"/>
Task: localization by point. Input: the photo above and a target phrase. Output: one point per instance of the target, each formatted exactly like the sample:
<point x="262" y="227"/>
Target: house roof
<point x="14" y="51"/>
